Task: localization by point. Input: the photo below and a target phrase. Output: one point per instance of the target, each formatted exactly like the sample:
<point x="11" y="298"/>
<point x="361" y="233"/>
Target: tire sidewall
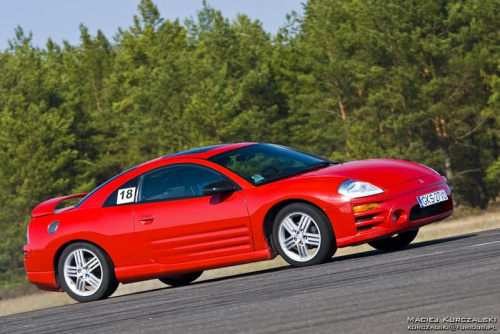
<point x="185" y="279"/>
<point x="328" y="245"/>
<point x="395" y="243"/>
<point x="108" y="279"/>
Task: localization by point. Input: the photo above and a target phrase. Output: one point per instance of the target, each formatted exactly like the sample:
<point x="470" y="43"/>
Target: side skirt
<point x="155" y="270"/>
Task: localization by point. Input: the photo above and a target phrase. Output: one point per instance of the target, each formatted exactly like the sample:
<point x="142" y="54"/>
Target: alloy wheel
<point x="299" y="236"/>
<point x="83" y="272"/>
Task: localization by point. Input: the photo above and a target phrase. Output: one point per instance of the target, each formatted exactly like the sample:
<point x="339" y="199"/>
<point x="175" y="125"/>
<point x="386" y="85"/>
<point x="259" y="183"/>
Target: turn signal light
<point x="364" y="207"/>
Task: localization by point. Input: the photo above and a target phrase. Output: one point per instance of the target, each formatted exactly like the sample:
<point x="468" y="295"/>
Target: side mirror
<point x="216" y="188"/>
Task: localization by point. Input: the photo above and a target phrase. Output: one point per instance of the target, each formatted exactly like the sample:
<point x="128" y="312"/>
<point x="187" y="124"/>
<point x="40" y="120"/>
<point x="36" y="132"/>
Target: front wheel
<point x="394" y="242"/>
<point x="182" y="279"/>
<point x="86" y="272"/>
<point x="303" y="235"/>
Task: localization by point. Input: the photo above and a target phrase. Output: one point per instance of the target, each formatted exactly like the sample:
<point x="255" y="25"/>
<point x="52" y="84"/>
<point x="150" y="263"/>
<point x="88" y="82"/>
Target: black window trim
<point x="141" y="177"/>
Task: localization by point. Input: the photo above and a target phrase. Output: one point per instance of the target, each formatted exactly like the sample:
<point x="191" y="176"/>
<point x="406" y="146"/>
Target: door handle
<point x="147" y="220"/>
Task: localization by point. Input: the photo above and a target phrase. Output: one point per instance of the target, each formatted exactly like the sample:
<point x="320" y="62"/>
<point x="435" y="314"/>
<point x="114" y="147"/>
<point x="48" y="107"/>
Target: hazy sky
<point x="60" y="19"/>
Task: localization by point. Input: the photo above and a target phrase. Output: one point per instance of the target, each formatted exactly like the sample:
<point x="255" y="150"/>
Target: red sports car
<point x="175" y="216"/>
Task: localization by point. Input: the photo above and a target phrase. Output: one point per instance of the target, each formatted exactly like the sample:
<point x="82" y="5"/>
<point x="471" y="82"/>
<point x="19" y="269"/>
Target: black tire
<point x="394" y="242"/>
<point x="182" y="279"/>
<point x="327" y="243"/>
<point x="105" y="272"/>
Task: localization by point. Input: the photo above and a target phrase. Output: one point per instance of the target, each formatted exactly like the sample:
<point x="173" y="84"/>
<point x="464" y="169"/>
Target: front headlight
<point x="355" y="189"/>
<point x="28" y="234"/>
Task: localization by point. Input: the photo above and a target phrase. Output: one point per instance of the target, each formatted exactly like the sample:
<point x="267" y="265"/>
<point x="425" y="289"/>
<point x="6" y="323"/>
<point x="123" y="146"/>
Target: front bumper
<point x="398" y="211"/>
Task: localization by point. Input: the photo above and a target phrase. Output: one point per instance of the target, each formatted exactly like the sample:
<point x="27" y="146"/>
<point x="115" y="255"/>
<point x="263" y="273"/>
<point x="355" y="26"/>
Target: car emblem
<point x="420" y="181"/>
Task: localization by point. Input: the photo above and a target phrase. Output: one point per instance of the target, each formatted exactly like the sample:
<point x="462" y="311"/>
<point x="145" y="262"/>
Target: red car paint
<point x="151" y="240"/>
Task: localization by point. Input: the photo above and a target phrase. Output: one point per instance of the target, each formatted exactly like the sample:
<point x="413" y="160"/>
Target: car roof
<point x="204" y="152"/>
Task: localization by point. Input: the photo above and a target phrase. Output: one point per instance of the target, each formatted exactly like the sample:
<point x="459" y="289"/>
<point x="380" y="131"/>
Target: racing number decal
<point x="125" y="195"/>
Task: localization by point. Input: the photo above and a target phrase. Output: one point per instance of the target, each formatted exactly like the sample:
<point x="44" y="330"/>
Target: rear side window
<point x="125" y="194"/>
<point x="102" y="185"/>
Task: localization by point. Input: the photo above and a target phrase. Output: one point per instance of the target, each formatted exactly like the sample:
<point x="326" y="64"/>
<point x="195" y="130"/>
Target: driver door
<point x="175" y="223"/>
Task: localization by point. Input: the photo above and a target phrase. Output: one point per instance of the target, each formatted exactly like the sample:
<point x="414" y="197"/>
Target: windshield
<point x="263" y="163"/>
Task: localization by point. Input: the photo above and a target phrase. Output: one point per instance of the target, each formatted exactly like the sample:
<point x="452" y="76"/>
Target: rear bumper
<point x="395" y="214"/>
<point x="40" y="268"/>
<point x="44" y="280"/>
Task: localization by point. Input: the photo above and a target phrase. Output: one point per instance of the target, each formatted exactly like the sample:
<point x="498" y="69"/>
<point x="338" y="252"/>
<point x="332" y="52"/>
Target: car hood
<point x="383" y="173"/>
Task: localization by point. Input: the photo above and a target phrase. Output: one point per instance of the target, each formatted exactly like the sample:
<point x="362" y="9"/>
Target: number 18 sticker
<point x="125" y="195"/>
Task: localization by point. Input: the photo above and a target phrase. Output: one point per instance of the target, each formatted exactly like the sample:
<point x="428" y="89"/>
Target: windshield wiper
<point x="317" y="165"/>
<point x="314" y="166"/>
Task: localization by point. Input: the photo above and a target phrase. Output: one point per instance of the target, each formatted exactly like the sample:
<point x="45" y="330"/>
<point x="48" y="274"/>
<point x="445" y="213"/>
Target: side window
<point x="176" y="182"/>
<point x="125" y="194"/>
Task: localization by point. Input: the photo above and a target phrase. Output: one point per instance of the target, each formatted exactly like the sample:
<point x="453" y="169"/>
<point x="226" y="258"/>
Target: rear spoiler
<point x="49" y="207"/>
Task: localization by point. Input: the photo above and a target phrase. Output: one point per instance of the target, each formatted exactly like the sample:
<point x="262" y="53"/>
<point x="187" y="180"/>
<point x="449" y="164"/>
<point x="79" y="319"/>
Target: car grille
<point x="417" y="213"/>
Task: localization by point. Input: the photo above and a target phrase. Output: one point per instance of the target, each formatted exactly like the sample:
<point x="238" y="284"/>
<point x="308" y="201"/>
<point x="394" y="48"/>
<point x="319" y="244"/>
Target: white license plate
<point x="432" y="198"/>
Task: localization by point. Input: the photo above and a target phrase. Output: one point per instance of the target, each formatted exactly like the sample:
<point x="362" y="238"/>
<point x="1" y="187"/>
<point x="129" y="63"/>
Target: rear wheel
<point x="86" y="273"/>
<point x="395" y="242"/>
<point x="303" y="235"/>
<point x="182" y="279"/>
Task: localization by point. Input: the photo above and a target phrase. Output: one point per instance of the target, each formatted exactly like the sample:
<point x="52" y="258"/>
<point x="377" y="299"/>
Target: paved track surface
<point x="371" y="292"/>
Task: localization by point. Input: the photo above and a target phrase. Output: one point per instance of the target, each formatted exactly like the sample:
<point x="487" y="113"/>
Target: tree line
<point x="349" y="79"/>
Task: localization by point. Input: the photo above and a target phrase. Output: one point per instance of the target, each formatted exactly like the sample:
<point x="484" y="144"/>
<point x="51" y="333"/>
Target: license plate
<point x="432" y="198"/>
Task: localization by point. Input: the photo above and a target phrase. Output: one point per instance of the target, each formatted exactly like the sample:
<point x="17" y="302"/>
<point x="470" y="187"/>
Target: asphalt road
<point x="371" y="292"/>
